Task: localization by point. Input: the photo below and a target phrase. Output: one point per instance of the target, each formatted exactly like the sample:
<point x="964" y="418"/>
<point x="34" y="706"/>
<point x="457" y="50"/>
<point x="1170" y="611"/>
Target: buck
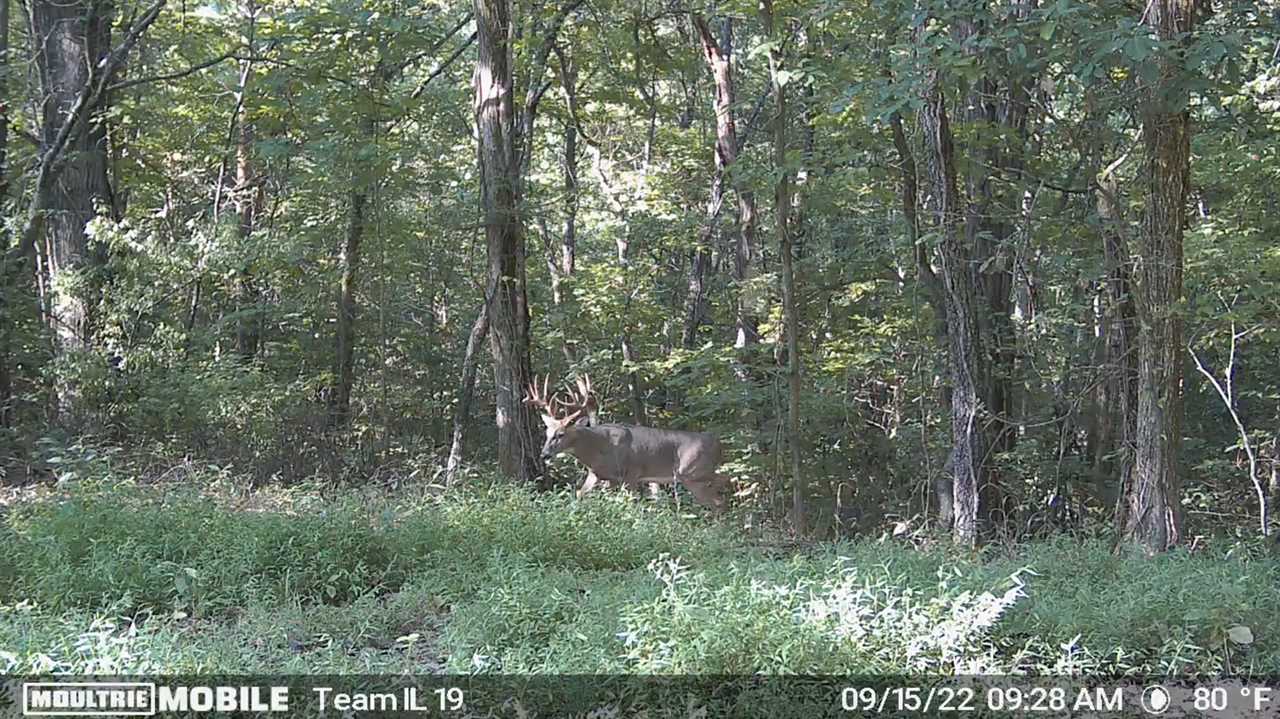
<point x="627" y="453"/>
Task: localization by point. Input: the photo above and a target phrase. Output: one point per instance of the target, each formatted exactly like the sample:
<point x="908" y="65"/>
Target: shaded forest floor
<point x="193" y="575"/>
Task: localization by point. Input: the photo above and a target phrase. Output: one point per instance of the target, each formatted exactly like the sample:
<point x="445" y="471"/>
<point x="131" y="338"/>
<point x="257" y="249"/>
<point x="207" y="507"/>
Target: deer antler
<point x="583" y="398"/>
<point x="538" y="398"/>
<point x="564" y="406"/>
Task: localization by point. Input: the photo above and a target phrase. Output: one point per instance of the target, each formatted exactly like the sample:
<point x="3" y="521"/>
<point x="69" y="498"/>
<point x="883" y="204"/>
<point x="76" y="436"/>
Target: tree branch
<point x="229" y="55"/>
<point x="535" y="91"/>
<point x="752" y="122"/>
<point x="1226" y="392"/>
<point x="443" y="66"/>
<point x="439" y="44"/>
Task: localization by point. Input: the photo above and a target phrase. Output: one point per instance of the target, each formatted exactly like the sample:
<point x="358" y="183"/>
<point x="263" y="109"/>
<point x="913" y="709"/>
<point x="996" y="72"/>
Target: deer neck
<point x="586" y="444"/>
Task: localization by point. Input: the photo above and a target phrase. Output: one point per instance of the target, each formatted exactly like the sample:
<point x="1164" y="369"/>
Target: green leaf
<point x="1137" y="49"/>
<point x="1241" y="635"/>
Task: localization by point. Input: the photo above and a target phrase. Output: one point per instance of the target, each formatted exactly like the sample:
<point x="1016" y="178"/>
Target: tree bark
<point x="928" y="280"/>
<point x="958" y="284"/>
<point x="782" y="217"/>
<point x="973" y="218"/>
<point x="7" y="320"/>
<point x="345" y="334"/>
<point x="467" y="386"/>
<point x="719" y="57"/>
<point x="1274" y="458"/>
<point x="232" y="142"/>
<point x="623" y="244"/>
<point x="561" y="261"/>
<point x="71" y="40"/>
<point x="70" y="138"/>
<point x="4" y="106"/>
<point x="1001" y="101"/>
<point x="1116" y="399"/>
<point x="500" y="168"/>
<point x="695" y="298"/>
<point x="699" y="263"/>
<point x="1153" y="515"/>
<point x="349" y="264"/>
<point x="569" y="236"/>
<point x="248" y="197"/>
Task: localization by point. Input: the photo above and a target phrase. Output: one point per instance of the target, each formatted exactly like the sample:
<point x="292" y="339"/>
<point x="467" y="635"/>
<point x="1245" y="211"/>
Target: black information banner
<point x="607" y="697"/>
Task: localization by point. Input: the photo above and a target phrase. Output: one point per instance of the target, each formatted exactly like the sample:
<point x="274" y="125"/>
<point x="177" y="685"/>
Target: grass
<point x="115" y="577"/>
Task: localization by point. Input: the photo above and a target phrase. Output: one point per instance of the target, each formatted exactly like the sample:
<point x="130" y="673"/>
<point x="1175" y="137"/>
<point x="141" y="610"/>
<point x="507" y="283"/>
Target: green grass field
<point x="113" y="577"/>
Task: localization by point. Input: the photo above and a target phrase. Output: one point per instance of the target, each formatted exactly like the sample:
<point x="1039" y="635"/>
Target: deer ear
<point x="551" y="422"/>
<point x="582" y="421"/>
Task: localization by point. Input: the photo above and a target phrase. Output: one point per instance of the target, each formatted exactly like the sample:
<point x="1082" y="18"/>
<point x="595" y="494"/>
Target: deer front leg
<point x="588" y="484"/>
<point x="638" y="487"/>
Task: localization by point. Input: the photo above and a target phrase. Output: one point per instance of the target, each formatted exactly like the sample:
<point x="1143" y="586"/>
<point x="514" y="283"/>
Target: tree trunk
<point x="345" y="335"/>
<point x="4" y="107"/>
<point x="7" y="318"/>
<point x="622" y="243"/>
<point x="561" y="261"/>
<point x="695" y="298"/>
<point x="70" y="166"/>
<point x="349" y="267"/>
<point x="974" y="223"/>
<point x="500" y="165"/>
<point x="719" y="57"/>
<point x="699" y="263"/>
<point x="569" y="236"/>
<point x="248" y="198"/>
<point x="467" y="386"/>
<point x="1001" y="101"/>
<point x="1116" y="398"/>
<point x="232" y="142"/>
<point x="71" y="38"/>
<point x="1153" y="516"/>
<point x="1274" y="457"/>
<point x="782" y="216"/>
<point x="958" y="286"/>
<point x="700" y="258"/>
<point x="928" y="280"/>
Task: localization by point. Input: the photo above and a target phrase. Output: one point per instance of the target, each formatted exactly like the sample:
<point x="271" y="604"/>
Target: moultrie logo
<point x="88" y="699"/>
<point x="146" y="699"/>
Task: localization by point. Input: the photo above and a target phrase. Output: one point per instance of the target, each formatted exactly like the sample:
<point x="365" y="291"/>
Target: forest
<point x="648" y="337"/>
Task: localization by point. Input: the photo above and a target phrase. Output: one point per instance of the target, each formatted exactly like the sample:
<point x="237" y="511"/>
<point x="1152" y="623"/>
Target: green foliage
<point x="101" y="642"/>
<point x="112" y="545"/>
<point x="369" y="104"/>
<point x="1100" y="608"/>
<point x="807" y="616"/>
<point x="500" y="579"/>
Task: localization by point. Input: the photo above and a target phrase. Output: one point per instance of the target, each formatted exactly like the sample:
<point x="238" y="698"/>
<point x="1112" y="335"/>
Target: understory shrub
<point x="497" y="579"/>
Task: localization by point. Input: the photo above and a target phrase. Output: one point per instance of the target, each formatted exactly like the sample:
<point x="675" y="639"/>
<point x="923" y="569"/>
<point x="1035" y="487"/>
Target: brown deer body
<point x="634" y="455"/>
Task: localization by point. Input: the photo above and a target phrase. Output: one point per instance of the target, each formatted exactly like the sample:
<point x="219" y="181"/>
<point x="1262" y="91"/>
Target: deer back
<point x="630" y="452"/>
